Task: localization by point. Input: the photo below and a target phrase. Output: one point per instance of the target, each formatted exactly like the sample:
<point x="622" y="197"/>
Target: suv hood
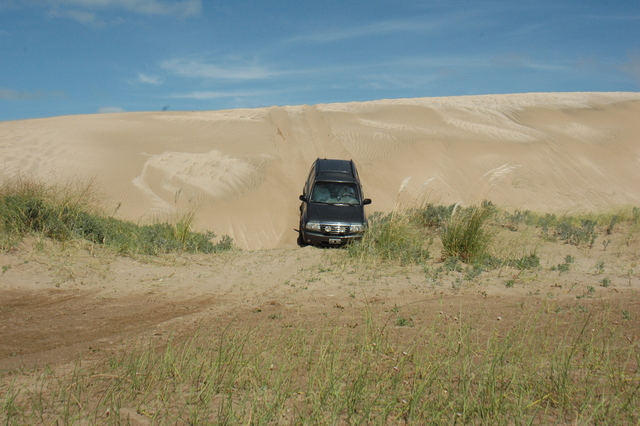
<point x="329" y="213"/>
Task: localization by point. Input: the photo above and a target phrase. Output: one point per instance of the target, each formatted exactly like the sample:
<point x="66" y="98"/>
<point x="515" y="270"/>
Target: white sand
<point x="241" y="171"/>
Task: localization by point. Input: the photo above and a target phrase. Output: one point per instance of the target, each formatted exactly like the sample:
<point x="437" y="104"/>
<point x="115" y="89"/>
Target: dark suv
<point x="332" y="209"/>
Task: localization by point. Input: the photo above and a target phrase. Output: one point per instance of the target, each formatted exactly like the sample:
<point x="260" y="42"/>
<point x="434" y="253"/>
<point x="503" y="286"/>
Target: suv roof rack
<point x="328" y="168"/>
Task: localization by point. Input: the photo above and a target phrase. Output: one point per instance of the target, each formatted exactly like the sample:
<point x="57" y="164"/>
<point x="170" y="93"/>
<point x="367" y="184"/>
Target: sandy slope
<point x="242" y="170"/>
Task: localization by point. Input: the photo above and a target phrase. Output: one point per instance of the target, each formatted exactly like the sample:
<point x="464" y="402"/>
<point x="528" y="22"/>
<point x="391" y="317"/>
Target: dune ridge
<point x="242" y="170"/>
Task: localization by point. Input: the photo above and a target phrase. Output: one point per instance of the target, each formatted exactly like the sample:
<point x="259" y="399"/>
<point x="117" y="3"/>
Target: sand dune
<point x="242" y="170"/>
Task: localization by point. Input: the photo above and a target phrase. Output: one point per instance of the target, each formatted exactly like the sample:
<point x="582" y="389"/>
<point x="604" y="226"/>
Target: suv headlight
<point x="313" y="226"/>
<point x="358" y="227"/>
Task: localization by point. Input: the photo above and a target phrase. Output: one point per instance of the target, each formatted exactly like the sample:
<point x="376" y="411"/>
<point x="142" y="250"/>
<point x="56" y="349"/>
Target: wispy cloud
<point x="9" y="94"/>
<point x="199" y="69"/>
<point x="375" y="29"/>
<point x="82" y="10"/>
<point x="14" y="95"/>
<point x="632" y="66"/>
<point x="109" y="110"/>
<point x="149" y="79"/>
<point x="424" y="22"/>
<point x="418" y="64"/>
<point x="385" y="81"/>
<point x="212" y="94"/>
<point x="513" y="60"/>
<point x="628" y="17"/>
<point x="82" y="16"/>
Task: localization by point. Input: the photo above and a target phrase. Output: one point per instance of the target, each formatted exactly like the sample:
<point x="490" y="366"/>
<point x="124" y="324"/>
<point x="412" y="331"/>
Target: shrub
<point x="432" y="216"/>
<point x="529" y="261"/>
<point x="465" y="236"/>
<point x="391" y="238"/>
<point x="565" y="266"/>
<point x="30" y="207"/>
<point x="571" y="234"/>
<point x="518" y="217"/>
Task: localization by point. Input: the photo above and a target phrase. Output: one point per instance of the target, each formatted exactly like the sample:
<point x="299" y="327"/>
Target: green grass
<point x="539" y="370"/>
<point x="468" y="233"/>
<point x="405" y="237"/>
<point x="29" y="207"/>
<point x="579" y="229"/>
<point x="465" y="235"/>
<point x="564" y="266"/>
<point x="392" y="237"/>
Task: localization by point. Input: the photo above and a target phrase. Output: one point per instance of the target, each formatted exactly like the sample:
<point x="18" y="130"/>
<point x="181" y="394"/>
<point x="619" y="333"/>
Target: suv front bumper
<point x="311" y="237"/>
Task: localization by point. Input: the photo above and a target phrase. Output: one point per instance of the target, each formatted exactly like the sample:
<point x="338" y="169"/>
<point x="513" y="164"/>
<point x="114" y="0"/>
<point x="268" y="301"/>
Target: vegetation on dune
<point x="391" y="237"/>
<point x="469" y="241"/>
<point x="466" y="234"/>
<point x="29" y="207"/>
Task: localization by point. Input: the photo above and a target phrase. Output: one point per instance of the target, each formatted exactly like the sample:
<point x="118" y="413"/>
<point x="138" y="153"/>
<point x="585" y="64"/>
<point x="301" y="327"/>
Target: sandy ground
<point x="241" y="172"/>
<point x="59" y="305"/>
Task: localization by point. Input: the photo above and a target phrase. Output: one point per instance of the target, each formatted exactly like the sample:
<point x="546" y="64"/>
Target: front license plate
<point x="335" y="241"/>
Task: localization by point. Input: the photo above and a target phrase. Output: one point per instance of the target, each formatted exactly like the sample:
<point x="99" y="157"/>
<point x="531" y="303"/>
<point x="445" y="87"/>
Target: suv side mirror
<point x="366" y="201"/>
<point x="303" y="198"/>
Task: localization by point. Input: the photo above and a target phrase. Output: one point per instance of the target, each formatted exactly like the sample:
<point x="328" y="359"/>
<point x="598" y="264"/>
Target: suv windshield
<point x="335" y="193"/>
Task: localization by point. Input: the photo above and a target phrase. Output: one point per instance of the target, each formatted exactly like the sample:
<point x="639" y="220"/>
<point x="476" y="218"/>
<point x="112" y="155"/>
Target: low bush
<point x="391" y="237"/>
<point x="431" y="215"/>
<point x="565" y="266"/>
<point x="28" y="207"/>
<point x="529" y="261"/>
<point x="570" y="233"/>
<point x="465" y="236"/>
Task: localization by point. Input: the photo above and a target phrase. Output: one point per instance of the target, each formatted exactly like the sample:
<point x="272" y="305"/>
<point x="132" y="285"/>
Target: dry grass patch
<point x="71" y="213"/>
<point x="541" y="364"/>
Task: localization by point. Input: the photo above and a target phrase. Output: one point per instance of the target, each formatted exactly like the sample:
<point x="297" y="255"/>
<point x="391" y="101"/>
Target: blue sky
<point x="61" y="57"/>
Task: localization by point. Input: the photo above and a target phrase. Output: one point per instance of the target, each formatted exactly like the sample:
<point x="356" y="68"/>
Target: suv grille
<point x="335" y="229"/>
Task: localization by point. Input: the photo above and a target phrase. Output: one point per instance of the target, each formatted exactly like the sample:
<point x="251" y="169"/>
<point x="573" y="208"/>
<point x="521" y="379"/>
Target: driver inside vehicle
<point x="347" y="194"/>
<point x="334" y="193"/>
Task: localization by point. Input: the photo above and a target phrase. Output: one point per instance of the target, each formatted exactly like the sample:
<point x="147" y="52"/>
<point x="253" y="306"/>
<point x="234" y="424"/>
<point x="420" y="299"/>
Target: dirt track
<point x="57" y="305"/>
<point x="54" y="326"/>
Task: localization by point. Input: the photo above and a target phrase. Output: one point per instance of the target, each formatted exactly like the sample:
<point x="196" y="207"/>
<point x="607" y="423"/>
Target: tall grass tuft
<point x="28" y="206"/>
<point x="391" y="237"/>
<point x="465" y="236"/>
